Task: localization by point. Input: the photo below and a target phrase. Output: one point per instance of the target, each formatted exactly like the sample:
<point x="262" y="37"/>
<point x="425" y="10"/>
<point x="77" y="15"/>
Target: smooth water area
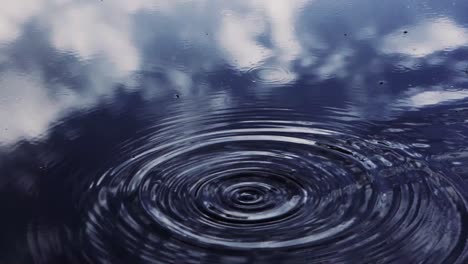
<point x="280" y="131"/>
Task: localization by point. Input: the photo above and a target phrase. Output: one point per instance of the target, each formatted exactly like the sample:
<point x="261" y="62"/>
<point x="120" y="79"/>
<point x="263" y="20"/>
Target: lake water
<point x="209" y="131"/>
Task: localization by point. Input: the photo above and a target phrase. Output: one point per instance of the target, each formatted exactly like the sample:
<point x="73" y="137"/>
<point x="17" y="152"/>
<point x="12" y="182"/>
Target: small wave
<point x="267" y="185"/>
<point x="271" y="75"/>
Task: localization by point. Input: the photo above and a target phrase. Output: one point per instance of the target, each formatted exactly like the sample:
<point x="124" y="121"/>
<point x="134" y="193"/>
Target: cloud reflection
<point x="426" y="38"/>
<point x="237" y="38"/>
<point x="272" y="40"/>
<point x="13" y="16"/>
<point x="428" y="98"/>
<point x="86" y="31"/>
<point x="26" y="107"/>
<point x="240" y="33"/>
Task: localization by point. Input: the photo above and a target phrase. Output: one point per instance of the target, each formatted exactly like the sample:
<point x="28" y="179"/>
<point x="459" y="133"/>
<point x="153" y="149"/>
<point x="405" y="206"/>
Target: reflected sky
<point x="58" y="56"/>
<point x="85" y="85"/>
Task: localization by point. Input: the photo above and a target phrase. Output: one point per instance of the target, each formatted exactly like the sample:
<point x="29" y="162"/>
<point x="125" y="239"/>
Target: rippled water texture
<point x="269" y="184"/>
<point x="298" y="131"/>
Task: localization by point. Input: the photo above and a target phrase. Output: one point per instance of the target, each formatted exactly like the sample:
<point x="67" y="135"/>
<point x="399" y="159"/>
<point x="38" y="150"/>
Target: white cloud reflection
<point x="282" y="16"/>
<point x="256" y="34"/>
<point x="26" y="107"/>
<point x="237" y="37"/>
<point x="13" y="16"/>
<point x="428" y="98"/>
<point x="335" y="65"/>
<point x="87" y="32"/>
<point x="426" y="38"/>
<point x="241" y="30"/>
<point x="98" y="33"/>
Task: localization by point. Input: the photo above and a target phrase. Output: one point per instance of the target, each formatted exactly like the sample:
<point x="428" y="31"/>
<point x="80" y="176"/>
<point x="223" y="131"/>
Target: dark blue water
<point x="285" y="131"/>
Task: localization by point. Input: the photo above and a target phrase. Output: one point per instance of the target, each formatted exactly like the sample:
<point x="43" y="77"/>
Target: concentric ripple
<point x="244" y="187"/>
<point x="271" y="75"/>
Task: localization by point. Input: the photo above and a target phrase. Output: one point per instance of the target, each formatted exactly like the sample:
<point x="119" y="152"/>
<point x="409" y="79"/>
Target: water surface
<point x="233" y="131"/>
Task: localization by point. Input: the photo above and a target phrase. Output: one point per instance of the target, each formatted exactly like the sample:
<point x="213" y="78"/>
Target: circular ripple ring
<point x="285" y="187"/>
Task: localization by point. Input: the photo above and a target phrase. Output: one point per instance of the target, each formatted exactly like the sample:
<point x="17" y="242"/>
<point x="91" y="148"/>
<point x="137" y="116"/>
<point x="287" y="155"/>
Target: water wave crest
<point x="263" y="185"/>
